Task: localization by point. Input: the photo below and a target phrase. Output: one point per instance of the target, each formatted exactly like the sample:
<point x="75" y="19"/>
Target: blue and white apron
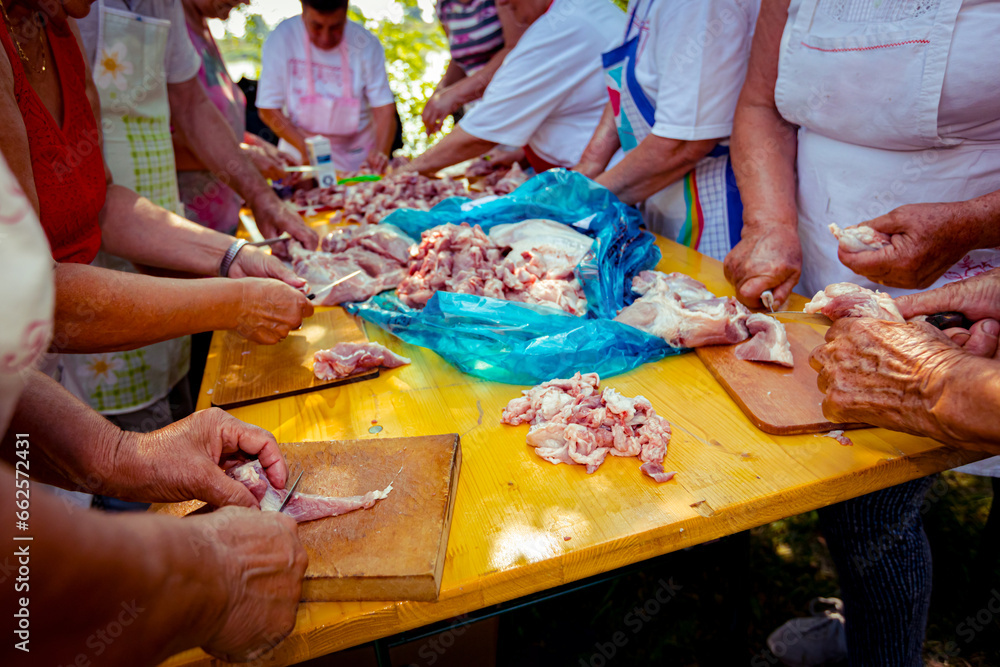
<point x="702" y="210"/>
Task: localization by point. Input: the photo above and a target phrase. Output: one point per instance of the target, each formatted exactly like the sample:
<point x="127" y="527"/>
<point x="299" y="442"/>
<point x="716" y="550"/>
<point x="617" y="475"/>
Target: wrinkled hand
<point x="274" y="217"/>
<point x="258" y="562"/>
<point x="377" y="160"/>
<point x="926" y="240"/>
<point x="977" y="297"/>
<point x="269" y="309"/>
<point x="888" y="374"/>
<point x="254" y="262"/>
<point x="766" y="258"/>
<point x="440" y="105"/>
<point x="270" y="162"/>
<point x="186" y="460"/>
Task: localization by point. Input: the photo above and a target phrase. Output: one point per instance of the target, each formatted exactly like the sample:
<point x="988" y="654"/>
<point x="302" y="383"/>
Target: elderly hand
<point x="895" y="375"/>
<point x="925" y="241"/>
<point x="274" y="217"/>
<point x="254" y="563"/>
<point x="186" y="460"/>
<point x="270" y="162"/>
<point x="766" y="258"/>
<point x="254" y="262"/>
<point x="377" y="160"/>
<point x="269" y="309"/>
<point x="977" y="297"/>
<point x="440" y="105"/>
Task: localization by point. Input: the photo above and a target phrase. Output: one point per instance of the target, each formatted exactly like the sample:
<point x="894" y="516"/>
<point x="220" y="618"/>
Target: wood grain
<point x="250" y="372"/>
<point x="392" y="551"/>
<point x="778" y="400"/>
<point x="513" y="511"/>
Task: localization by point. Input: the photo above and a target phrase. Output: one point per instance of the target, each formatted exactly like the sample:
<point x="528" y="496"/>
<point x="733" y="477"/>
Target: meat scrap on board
<point x="768" y="342"/>
<point x="849" y="300"/>
<point x="343" y="359"/>
<point x="573" y="421"/>
<point x="303" y="506"/>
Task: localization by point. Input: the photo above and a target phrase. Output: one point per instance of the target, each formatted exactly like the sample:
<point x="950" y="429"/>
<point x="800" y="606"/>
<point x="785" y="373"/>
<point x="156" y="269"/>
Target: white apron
<point x="702" y="210"/>
<point x="866" y="95"/>
<point x="129" y="71"/>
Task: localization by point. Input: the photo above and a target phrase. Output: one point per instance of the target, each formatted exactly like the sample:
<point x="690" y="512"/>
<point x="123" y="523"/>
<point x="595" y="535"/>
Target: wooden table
<point x="523" y="525"/>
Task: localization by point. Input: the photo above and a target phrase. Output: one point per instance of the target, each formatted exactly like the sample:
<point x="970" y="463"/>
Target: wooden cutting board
<point x="250" y="372"/>
<point x="396" y="549"/>
<point x="778" y="400"/>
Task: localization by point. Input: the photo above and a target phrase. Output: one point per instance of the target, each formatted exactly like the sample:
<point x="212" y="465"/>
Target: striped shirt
<point x="473" y="29"/>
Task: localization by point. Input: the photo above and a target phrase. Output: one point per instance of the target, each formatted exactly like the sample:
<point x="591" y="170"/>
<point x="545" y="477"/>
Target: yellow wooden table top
<point x="514" y="511"/>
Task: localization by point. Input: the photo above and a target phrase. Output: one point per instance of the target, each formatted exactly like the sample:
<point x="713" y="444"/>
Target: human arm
<point x="913" y="378"/>
<point x="653" y="165"/>
<point x="763" y="149"/>
<point x="384" y="119"/>
<point x="137" y="588"/>
<point x="456" y="89"/>
<point x="925" y="240"/>
<point x="601" y="147"/>
<point x="457" y="146"/>
<point x="200" y="126"/>
<point x="75" y="448"/>
<point x="100" y="310"/>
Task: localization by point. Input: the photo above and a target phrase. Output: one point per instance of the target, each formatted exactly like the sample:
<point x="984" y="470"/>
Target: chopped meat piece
<point x="713" y="321"/>
<point x="655" y="470"/>
<point x="378" y="273"/>
<point x="859" y="238"/>
<point x="510" y="180"/>
<point x="303" y="506"/>
<point x="384" y="239"/>
<point x="838" y="436"/>
<point x="572" y="423"/>
<point x="548" y="237"/>
<point x="343" y="359"/>
<point x="849" y="300"/>
<point x="678" y="286"/>
<point x="768" y="342"/>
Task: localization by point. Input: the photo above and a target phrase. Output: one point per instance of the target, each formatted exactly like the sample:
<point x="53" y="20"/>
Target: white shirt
<point x="283" y="77"/>
<point x="549" y="93"/>
<point x="693" y="69"/>
<point x="181" y="62"/>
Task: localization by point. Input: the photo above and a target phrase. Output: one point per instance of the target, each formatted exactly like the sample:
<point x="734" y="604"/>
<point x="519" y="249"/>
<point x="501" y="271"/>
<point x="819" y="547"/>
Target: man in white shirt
<point x="549" y="93"/>
<point x="361" y="121"/>
<point x="674" y="82"/>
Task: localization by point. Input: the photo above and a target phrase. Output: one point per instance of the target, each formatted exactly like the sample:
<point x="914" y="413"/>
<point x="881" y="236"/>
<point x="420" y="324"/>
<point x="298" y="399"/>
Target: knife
<point x="804" y="318"/>
<point x="942" y="321"/>
<point x="291" y="490"/>
<point x="321" y="293"/>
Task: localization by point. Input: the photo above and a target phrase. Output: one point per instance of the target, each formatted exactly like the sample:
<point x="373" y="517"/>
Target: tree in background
<point x="416" y="53"/>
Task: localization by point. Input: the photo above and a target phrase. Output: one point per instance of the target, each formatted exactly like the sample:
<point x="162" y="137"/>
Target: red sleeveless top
<point x="66" y="161"/>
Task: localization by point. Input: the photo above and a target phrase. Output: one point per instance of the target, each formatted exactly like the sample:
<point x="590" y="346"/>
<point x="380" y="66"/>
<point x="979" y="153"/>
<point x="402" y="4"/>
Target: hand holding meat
<point x="925" y="240"/>
<point x="259" y="564"/>
<point x="187" y="460"/>
<point x="907" y="377"/>
<point x="767" y="258"/>
<point x="269" y="309"/>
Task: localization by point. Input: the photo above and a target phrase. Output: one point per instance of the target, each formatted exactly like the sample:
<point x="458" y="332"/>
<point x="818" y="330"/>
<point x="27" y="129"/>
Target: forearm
<point x="138" y="230"/>
<point x="602" y="145"/>
<point x="283" y="126"/>
<point x="384" y="118"/>
<point x="763" y="149"/>
<point x="100" y="310"/>
<point x="653" y="165"/>
<point x="471" y="88"/>
<point x="965" y="401"/>
<point x="210" y="138"/>
<point x="984" y="211"/>
<point x="452" y="75"/>
<point x="148" y="575"/>
<point x="458" y="146"/>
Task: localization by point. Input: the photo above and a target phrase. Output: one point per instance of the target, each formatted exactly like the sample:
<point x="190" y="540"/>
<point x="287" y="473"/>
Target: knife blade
<point x="291" y="490"/>
<point x="321" y="293"/>
<point x="804" y="318"/>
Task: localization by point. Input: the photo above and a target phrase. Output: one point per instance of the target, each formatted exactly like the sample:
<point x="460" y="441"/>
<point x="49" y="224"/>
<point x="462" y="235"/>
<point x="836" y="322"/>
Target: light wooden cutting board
<point x="250" y="372"/>
<point x="396" y="549"/>
<point x="778" y="400"/>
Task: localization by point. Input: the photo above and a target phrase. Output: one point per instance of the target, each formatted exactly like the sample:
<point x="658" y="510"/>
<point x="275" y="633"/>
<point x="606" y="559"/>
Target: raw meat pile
<point x="573" y="422"/>
<point x="499" y="181"/>
<point x="849" y="300"/>
<point x="681" y="311"/>
<point x="303" y="506"/>
<point x="859" y="238"/>
<point x="371" y="201"/>
<point x="343" y="359"/>
<point x="464" y="260"/>
<point x="381" y="253"/>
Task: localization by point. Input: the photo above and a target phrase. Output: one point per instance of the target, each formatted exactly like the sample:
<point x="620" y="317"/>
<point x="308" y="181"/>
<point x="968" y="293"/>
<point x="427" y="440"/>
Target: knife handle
<point x="949" y="320"/>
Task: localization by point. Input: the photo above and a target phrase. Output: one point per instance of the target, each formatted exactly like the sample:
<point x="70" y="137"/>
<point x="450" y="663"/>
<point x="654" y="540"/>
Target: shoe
<point x="814" y="641"/>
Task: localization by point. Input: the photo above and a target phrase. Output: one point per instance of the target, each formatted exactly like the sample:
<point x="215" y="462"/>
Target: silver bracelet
<point x="230" y="257"/>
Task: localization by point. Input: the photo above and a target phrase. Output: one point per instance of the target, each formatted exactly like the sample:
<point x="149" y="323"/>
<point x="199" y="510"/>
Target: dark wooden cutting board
<point x="251" y="373"/>
<point x="778" y="400"/>
<point x="393" y="551"/>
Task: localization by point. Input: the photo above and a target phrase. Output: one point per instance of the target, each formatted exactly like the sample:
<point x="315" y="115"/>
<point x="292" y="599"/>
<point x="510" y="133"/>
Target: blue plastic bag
<point x="518" y="343"/>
